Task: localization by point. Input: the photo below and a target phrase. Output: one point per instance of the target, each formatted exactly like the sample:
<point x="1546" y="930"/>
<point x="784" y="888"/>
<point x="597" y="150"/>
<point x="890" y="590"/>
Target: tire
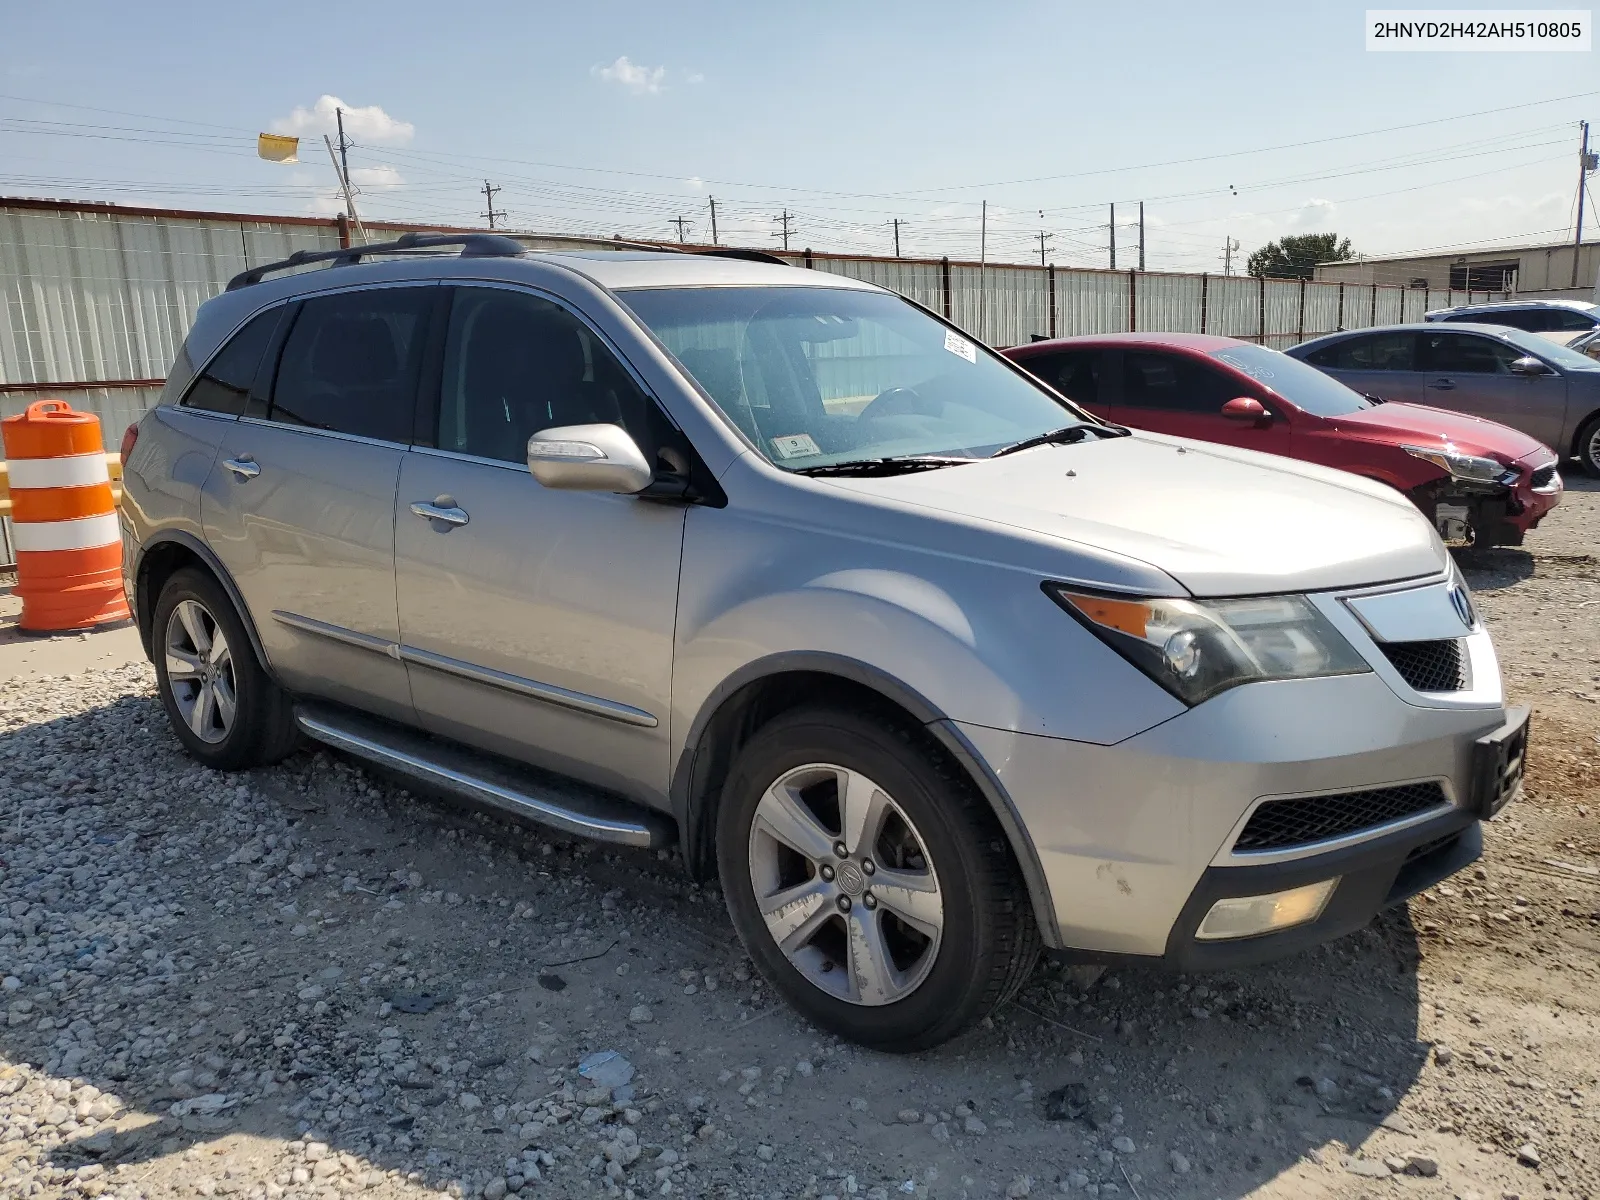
<point x="196" y="677"/>
<point x="1588" y="446"/>
<point x="975" y="938"/>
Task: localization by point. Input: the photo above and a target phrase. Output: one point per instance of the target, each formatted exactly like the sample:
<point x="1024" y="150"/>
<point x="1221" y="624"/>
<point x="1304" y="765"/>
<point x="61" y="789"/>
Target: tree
<point x="1296" y="256"/>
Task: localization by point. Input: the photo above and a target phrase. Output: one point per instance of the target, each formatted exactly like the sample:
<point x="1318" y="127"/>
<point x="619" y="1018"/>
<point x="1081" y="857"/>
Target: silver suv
<point x="926" y="665"/>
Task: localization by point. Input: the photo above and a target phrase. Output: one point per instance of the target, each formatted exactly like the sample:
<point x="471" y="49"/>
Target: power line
<point x="682" y="223"/>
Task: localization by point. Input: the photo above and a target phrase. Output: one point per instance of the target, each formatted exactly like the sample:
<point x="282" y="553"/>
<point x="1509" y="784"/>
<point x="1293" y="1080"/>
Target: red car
<point x="1478" y="481"/>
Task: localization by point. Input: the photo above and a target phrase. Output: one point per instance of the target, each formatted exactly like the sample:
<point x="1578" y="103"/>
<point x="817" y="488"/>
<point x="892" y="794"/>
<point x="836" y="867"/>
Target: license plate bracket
<point x="1498" y="763"/>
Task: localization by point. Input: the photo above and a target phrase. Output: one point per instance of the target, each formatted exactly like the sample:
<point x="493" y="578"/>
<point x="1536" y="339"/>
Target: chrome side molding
<point x="567" y="806"/>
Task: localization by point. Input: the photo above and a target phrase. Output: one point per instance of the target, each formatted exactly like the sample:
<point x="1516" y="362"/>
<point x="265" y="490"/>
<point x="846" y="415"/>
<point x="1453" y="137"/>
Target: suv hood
<point x="1221" y="521"/>
<point x="1417" y="424"/>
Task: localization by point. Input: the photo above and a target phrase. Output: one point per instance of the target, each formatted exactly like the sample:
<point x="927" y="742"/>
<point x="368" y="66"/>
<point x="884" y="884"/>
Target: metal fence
<point x="95" y="299"/>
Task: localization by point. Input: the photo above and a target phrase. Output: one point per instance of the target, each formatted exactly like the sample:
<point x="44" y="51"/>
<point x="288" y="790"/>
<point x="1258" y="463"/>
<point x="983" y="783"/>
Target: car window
<point x="514" y="364"/>
<point x="225" y="383"/>
<point x="1467" y="354"/>
<point x="817" y="376"/>
<point x="1301" y="384"/>
<point x="1394" y="351"/>
<point x="1525" y="344"/>
<point x="1174" y="382"/>
<point x="1571" y="322"/>
<point x="1076" y="374"/>
<point x="350" y="363"/>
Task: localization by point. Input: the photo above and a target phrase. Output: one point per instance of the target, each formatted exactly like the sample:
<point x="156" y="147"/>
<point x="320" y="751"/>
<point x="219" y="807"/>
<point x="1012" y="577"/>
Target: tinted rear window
<point x="350" y="363"/>
<point x="225" y="383"/>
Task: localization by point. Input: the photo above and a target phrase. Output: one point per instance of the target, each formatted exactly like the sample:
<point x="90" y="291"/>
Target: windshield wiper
<point x="1064" y="436"/>
<point x="886" y="466"/>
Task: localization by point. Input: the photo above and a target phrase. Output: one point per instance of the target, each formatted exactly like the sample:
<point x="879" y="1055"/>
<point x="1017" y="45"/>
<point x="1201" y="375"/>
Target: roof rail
<point x="473" y="245"/>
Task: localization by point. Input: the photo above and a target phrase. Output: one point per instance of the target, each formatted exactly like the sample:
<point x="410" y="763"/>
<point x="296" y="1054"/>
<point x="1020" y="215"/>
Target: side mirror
<point x="1529" y="365"/>
<point x="588" y="458"/>
<point x="1244" y="408"/>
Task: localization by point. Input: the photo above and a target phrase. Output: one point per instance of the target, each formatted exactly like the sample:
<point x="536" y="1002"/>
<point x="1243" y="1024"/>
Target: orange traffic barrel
<point x="64" y="520"/>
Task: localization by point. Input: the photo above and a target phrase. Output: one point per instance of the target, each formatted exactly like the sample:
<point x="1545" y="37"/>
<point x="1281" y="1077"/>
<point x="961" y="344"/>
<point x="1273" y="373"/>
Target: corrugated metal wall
<point x="96" y="302"/>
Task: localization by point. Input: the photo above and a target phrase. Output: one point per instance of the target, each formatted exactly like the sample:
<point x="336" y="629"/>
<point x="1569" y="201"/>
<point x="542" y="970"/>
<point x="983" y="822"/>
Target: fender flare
<point x="212" y="563"/>
<point x="945" y="731"/>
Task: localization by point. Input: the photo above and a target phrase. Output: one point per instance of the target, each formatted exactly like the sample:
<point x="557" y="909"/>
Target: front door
<point x="536" y="623"/>
<point x="1171" y="392"/>
<point x="299" y="504"/>
<point x="1470" y="373"/>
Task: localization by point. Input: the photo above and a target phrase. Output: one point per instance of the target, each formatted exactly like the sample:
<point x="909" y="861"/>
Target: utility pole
<point x="344" y="146"/>
<point x="1141" y="235"/>
<point x="1043" y="238"/>
<point x="344" y="186"/>
<point x="1113" y="235"/>
<point x="713" y="200"/>
<point x="681" y="223"/>
<point x="1230" y="247"/>
<point x="1585" y="165"/>
<point x="897" y="222"/>
<point x="785" y="221"/>
<point x="489" y="193"/>
<point x="983" y="267"/>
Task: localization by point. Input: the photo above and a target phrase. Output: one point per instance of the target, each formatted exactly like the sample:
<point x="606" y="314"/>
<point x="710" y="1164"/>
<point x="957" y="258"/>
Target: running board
<point x="548" y="799"/>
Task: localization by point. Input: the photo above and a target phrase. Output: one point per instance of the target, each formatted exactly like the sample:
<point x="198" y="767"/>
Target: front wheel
<point x="1589" y="446"/>
<point x="870" y="882"/>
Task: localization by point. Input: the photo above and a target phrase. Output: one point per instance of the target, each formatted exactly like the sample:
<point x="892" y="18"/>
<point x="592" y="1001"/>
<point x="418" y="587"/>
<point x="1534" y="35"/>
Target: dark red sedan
<point x="1478" y="481"/>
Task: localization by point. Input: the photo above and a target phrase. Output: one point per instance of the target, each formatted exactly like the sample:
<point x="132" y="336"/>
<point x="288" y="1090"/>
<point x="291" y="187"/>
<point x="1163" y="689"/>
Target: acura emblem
<point x="1463" y="605"/>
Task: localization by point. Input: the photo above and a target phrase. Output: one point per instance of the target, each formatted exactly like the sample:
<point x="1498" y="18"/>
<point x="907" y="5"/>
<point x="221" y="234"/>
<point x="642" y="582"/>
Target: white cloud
<point x="695" y="184"/>
<point x="376" y="179"/>
<point x="1314" y="215"/>
<point x="695" y="77"/>
<point x="369" y="124"/>
<point x="639" y="80"/>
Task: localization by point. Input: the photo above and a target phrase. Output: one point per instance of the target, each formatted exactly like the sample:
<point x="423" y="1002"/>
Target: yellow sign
<point x="274" y="147"/>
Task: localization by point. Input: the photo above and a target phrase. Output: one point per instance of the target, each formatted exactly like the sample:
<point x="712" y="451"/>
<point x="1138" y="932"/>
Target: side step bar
<point x="548" y="799"/>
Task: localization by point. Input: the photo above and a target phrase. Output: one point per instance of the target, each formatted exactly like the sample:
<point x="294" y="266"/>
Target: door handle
<point x="1443" y="385"/>
<point x="434" y="512"/>
<point x="244" y="467"/>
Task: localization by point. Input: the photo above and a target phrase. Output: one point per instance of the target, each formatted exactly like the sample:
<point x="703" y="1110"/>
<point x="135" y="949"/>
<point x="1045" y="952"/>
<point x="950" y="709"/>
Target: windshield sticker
<point x="1254" y="370"/>
<point x="795" y="445"/>
<point x="957" y="344"/>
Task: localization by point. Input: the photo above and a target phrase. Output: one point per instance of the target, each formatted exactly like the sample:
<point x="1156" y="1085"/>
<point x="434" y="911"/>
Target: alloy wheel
<point x="200" y="671"/>
<point x="844" y="884"/>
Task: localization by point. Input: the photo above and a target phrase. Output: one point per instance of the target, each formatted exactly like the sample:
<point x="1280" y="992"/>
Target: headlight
<point x="1462" y="466"/>
<point x="1197" y="648"/>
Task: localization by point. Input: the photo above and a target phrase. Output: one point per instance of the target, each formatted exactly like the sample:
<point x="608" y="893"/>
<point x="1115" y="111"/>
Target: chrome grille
<point x="1428" y="666"/>
<point x="1305" y="820"/>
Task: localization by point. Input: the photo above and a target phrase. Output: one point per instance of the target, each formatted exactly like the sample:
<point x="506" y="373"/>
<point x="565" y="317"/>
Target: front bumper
<point x="1135" y="841"/>
<point x="1496" y="514"/>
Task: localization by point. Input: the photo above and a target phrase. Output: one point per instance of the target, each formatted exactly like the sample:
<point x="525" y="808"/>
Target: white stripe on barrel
<point x="82" y="534"/>
<point x="73" y="470"/>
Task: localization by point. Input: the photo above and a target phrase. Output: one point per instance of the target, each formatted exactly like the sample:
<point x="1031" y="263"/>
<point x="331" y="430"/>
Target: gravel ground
<point x="305" y="981"/>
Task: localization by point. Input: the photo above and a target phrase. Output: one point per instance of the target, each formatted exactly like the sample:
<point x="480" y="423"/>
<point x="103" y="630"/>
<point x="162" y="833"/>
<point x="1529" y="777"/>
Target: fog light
<point x="1246" y="916"/>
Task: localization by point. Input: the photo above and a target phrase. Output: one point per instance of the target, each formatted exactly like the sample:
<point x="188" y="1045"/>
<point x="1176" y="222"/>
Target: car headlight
<point x="1197" y="648"/>
<point x="1462" y="466"/>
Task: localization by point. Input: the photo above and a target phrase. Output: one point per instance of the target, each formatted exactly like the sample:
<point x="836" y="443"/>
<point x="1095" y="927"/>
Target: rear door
<point x="536" y="623"/>
<point x="299" y="504"/>
<point x="1172" y="392"/>
<point x="1470" y="373"/>
<point x="1381" y="365"/>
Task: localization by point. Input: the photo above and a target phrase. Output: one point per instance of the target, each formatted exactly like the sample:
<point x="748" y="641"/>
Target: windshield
<point x="816" y="376"/>
<point x="1541" y="347"/>
<point x="1302" y="385"/>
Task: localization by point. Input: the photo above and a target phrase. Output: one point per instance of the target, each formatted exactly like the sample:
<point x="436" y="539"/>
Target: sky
<point x="1228" y="120"/>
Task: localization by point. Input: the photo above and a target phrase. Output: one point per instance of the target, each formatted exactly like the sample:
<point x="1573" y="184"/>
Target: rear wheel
<point x="219" y="700"/>
<point x="1589" y="446"/>
<point x="870" y="882"/>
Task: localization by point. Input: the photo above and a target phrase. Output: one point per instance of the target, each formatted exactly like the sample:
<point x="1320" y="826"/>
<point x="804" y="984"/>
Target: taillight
<point x="129" y="437"/>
